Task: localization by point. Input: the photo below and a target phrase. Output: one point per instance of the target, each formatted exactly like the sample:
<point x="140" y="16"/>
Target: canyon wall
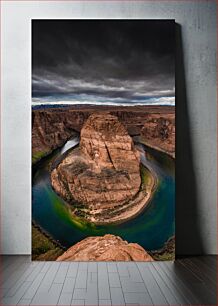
<point x="158" y="132"/>
<point x="50" y="130"/>
<point x="52" y="127"/>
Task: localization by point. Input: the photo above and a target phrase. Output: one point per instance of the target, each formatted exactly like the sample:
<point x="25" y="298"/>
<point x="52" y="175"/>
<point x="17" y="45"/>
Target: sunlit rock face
<point x="106" y="248"/>
<point x="104" y="173"/>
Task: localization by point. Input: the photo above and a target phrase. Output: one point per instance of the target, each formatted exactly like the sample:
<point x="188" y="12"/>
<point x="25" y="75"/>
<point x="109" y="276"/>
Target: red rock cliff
<point x="159" y="132"/>
<point x="49" y="131"/>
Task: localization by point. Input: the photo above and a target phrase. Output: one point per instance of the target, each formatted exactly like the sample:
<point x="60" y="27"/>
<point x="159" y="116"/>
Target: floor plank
<point x="169" y="270"/>
<point x="200" y="288"/>
<point x="187" y="281"/>
<point x="154" y="290"/>
<point x="204" y="268"/>
<point x="170" y="295"/>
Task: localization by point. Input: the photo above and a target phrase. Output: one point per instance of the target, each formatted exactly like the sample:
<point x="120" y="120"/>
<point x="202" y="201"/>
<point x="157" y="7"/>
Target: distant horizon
<point x="94" y="104"/>
<point x="169" y="101"/>
<point x="84" y="99"/>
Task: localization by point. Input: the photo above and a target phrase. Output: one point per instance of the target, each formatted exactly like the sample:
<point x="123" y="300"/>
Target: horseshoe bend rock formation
<point x="101" y="180"/>
<point x="106" y="248"/>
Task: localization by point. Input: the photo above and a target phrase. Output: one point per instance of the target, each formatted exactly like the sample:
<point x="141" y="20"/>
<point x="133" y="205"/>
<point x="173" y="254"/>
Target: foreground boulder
<point x="106" y="248"/>
<point x="101" y="180"/>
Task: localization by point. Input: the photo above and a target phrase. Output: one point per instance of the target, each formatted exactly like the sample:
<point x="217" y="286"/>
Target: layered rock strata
<point x="49" y="132"/>
<point x="158" y="132"/>
<point x="52" y="127"/>
<point x="101" y="180"/>
<point x="106" y="248"/>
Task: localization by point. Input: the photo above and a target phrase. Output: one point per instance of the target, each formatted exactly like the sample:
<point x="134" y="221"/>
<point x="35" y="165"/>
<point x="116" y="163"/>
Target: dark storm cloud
<point x="114" y="59"/>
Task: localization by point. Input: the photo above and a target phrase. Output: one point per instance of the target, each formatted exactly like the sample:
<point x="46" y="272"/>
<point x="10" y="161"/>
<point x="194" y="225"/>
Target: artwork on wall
<point x="103" y="140"/>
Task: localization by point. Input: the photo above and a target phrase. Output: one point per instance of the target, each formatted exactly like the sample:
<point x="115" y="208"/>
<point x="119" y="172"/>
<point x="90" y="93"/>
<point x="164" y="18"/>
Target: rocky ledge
<point x="101" y="180"/>
<point x="106" y="248"/>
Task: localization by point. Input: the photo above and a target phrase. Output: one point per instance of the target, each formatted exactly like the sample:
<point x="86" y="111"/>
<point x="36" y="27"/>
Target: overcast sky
<point x="103" y="62"/>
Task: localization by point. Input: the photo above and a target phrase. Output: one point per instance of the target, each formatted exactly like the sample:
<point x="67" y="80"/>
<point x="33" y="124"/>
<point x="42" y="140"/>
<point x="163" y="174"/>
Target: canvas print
<point x="103" y="140"/>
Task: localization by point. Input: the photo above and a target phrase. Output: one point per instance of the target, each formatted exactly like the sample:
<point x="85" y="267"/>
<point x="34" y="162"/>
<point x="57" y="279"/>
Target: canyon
<point x="106" y="248"/>
<point x="101" y="180"/>
<point x="52" y="127"/>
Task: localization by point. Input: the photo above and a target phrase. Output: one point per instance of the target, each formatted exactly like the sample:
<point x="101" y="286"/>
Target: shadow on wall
<point x="188" y="227"/>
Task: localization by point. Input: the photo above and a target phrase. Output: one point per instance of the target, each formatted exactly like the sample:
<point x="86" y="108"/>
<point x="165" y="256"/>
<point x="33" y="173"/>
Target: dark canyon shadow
<point x="188" y="228"/>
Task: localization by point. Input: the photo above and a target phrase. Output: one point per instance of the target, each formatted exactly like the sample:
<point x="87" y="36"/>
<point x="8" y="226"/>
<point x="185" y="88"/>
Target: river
<point x="151" y="228"/>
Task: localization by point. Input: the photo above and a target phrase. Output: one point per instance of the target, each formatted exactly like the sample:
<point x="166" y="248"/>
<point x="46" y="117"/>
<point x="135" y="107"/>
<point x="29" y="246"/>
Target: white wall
<point x="196" y="113"/>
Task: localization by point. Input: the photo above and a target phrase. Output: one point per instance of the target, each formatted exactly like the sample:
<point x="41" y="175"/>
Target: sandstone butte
<point x="106" y="248"/>
<point x="101" y="180"/>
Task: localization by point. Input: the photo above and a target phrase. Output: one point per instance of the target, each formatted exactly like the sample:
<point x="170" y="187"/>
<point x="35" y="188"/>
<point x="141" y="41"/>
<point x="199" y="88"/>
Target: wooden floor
<point x="188" y="281"/>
